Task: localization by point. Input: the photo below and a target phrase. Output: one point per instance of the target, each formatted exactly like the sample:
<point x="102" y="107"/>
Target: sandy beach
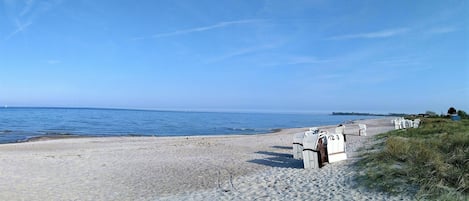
<point x="235" y="167"/>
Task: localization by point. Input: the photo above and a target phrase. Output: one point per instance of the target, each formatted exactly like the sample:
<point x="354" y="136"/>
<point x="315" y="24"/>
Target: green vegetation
<point x="431" y="113"/>
<point x="463" y="114"/>
<point x="431" y="162"/>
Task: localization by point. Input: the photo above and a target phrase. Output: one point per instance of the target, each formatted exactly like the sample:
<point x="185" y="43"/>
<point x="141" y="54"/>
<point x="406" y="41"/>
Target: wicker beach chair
<point x="313" y="150"/>
<point x="416" y="123"/>
<point x="298" y="145"/>
<point x="335" y="148"/>
<point x="362" y="129"/>
<point x="341" y="130"/>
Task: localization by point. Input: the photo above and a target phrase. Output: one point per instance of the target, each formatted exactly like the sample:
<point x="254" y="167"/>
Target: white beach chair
<point x="298" y="142"/>
<point x="310" y="150"/>
<point x="336" y="148"/>
<point x="298" y="145"/>
<point x="362" y="129"/>
<point x="340" y="129"/>
<point x="396" y="123"/>
<point x="402" y="123"/>
<point x="416" y="123"/>
<point x="315" y="130"/>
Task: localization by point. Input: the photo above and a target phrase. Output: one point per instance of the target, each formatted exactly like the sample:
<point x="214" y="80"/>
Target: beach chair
<point x="396" y="123"/>
<point x="341" y="130"/>
<point x="416" y="123"/>
<point x="311" y="155"/>
<point x="315" y="130"/>
<point x="298" y="142"/>
<point x="362" y="129"/>
<point x="406" y="123"/>
<point x="402" y="124"/>
<point x="335" y="148"/>
<point x="298" y="145"/>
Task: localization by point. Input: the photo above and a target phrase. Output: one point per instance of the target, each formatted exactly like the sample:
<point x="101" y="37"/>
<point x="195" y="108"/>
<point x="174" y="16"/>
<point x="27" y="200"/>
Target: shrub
<point x="463" y="114"/>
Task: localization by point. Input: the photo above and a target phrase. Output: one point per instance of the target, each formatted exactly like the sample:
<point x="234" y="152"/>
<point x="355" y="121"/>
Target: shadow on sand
<point x="282" y="147"/>
<point x="278" y="160"/>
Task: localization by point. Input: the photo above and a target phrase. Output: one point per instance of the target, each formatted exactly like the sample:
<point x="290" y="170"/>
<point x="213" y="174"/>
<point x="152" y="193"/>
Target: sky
<point x="236" y="55"/>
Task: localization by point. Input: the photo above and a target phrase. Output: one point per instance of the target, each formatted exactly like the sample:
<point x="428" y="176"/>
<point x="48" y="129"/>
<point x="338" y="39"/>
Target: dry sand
<point x="241" y="167"/>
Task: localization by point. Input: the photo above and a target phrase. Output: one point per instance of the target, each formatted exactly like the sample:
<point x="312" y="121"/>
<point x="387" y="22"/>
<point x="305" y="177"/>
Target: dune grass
<point x="430" y="162"/>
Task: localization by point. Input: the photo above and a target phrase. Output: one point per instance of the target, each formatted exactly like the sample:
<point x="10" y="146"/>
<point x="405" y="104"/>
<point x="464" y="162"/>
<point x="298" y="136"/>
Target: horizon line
<point x="253" y="111"/>
<point x="174" y="110"/>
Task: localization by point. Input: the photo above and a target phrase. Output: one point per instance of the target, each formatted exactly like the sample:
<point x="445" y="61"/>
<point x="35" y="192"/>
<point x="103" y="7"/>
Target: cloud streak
<point x="240" y="52"/>
<point x="31" y="9"/>
<point x="305" y="60"/>
<point x="201" y="29"/>
<point x="27" y="8"/>
<point x="53" y="61"/>
<point x="442" y="30"/>
<point x="296" y="60"/>
<point x="205" y="28"/>
<point x="404" y="61"/>
<point x="20" y="27"/>
<point x="372" y="35"/>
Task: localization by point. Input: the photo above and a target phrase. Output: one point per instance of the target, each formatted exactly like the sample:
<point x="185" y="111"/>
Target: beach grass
<point x="430" y="162"/>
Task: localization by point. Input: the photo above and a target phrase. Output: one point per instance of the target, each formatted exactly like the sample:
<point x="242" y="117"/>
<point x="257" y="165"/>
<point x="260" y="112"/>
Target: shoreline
<point x="81" y="122"/>
<point x="49" y="137"/>
<point x="170" y="168"/>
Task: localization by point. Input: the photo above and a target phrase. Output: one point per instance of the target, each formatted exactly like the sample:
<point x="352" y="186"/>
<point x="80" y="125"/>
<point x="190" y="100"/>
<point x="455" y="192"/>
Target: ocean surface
<point x="20" y="124"/>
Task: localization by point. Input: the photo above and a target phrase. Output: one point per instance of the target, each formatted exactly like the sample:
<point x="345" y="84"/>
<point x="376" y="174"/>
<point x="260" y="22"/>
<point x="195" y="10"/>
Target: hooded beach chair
<point x="311" y="149"/>
<point x="362" y="129"/>
<point x="335" y="148"/>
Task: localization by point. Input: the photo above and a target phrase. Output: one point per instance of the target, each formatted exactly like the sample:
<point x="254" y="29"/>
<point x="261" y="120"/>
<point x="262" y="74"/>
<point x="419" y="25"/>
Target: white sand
<point x="250" y="167"/>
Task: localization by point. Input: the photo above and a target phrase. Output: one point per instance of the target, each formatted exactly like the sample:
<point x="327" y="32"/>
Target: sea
<point x="20" y="124"/>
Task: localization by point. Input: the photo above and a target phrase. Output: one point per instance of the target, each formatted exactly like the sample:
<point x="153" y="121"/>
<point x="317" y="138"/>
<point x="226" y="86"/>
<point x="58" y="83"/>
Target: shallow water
<point x="19" y="124"/>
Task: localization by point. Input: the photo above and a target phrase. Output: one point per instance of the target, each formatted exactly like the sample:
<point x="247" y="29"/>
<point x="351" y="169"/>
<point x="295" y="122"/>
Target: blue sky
<point x="272" y="55"/>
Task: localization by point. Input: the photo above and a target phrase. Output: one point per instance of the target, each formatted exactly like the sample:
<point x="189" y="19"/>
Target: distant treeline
<point x="367" y="114"/>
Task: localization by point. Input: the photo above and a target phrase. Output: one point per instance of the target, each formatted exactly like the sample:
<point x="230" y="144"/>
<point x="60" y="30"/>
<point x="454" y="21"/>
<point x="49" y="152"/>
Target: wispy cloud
<point x="297" y="60"/>
<point x="21" y="19"/>
<point x="200" y="29"/>
<point x="20" y="27"/>
<point x="403" y="61"/>
<point x="27" y="8"/>
<point x="240" y="52"/>
<point x="29" y="11"/>
<point x="205" y="28"/>
<point x="371" y="35"/>
<point x="329" y="76"/>
<point x="442" y="30"/>
<point x="137" y="38"/>
<point x="53" y="61"/>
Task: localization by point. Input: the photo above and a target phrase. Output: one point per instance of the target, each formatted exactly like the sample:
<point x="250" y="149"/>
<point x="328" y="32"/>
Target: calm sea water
<point x="19" y="124"/>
